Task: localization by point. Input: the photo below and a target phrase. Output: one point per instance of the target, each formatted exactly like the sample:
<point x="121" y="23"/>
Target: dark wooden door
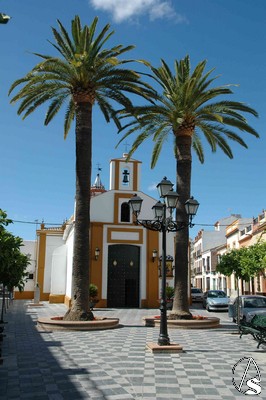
<point x="123" y="276"/>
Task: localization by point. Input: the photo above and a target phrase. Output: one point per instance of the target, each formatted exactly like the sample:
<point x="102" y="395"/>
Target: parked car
<point x="215" y="300"/>
<point x="249" y="305"/>
<point x="196" y="294"/>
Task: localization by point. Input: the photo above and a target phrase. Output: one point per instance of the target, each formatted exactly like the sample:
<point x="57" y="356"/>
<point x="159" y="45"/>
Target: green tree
<point x="13" y="262"/>
<point x="84" y="74"/>
<point x="230" y="263"/>
<point x="245" y="262"/>
<point x="4" y="221"/>
<point x="187" y="110"/>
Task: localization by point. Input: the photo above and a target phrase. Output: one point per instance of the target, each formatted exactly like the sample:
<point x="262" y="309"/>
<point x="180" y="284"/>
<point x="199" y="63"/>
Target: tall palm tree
<point x="85" y="73"/>
<point x="187" y="110"/>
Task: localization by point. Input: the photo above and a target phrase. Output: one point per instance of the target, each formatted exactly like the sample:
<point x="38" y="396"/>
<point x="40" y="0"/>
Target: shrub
<point x="93" y="291"/>
<point x="169" y="292"/>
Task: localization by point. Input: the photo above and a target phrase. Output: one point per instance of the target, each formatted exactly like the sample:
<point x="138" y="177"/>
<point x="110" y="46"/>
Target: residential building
<point x="205" y="255"/>
<point x="208" y="247"/>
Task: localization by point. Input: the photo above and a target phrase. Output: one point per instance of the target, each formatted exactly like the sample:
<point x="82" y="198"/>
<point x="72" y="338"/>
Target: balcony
<point x="198" y="253"/>
<point x="260" y="222"/>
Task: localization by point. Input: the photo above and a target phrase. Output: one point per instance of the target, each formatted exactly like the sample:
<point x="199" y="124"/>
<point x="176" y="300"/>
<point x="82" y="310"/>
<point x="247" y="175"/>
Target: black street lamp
<point x="164" y="224"/>
<point x="4" y="18"/>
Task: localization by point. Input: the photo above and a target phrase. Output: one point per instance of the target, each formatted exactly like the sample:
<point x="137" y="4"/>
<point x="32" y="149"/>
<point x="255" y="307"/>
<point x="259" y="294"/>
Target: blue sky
<point x="38" y="166"/>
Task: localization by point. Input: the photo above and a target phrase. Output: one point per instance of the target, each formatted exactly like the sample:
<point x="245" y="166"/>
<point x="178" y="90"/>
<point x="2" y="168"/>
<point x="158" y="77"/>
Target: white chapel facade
<point x="124" y="257"/>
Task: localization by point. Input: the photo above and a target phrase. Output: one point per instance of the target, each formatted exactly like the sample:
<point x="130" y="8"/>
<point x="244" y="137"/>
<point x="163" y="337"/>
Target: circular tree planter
<point x="57" y="323"/>
<point x="195" y="323"/>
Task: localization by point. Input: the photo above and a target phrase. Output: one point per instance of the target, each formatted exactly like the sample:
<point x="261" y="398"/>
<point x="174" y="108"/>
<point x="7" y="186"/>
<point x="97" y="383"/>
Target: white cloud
<point x="122" y="10"/>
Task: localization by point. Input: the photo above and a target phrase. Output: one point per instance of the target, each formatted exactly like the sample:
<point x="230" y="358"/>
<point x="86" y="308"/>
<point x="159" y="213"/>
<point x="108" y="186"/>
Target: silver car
<point x="249" y="305"/>
<point x="196" y="294"/>
<point x="215" y="300"/>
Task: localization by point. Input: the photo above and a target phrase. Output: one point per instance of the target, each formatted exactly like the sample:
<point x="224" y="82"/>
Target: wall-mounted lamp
<point x="154" y="255"/>
<point x="97" y="253"/>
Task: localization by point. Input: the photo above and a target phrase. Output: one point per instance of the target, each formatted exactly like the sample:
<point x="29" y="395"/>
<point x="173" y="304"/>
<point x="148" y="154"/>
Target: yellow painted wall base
<point x="56" y="298"/>
<point x="149" y="304"/>
<point x="60" y="298"/>
<point x="144" y="303"/>
<point x="67" y="301"/>
<point x="24" y="295"/>
<point x="44" y="296"/>
<point x="101" y="303"/>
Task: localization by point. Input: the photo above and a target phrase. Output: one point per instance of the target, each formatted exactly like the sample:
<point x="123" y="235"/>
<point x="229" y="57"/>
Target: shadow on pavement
<point x="29" y="367"/>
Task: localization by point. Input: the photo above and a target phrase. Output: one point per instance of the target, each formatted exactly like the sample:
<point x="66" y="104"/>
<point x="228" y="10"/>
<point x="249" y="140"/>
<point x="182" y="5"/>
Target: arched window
<point x="125" y="212"/>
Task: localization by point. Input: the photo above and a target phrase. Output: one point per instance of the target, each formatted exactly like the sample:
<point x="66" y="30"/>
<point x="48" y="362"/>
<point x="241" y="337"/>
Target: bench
<point x="256" y="327"/>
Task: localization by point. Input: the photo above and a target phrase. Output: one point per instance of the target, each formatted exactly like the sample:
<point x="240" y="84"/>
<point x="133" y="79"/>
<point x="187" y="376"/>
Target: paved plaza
<point x="115" y="364"/>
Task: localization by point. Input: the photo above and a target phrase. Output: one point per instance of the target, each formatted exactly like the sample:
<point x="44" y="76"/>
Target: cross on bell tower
<point x="126" y="144"/>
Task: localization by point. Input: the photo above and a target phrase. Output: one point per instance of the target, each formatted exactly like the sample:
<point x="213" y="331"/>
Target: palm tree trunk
<point x="183" y="181"/>
<point x="80" y="309"/>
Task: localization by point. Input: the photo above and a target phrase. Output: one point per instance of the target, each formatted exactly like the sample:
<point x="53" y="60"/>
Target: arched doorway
<point x="123" y="276"/>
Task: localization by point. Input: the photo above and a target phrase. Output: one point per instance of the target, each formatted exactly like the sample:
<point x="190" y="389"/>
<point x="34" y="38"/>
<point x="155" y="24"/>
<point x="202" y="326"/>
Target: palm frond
<point x="133" y="129"/>
<point x="44" y="56"/>
<point x="66" y="37"/>
<point x="139" y="140"/>
<point x="229" y="106"/>
<point x="197" y="147"/>
<point x="102" y="38"/>
<point x="54" y="108"/>
<point x="34" y="104"/>
<point x="62" y="46"/>
<point x="19" y="82"/>
<point x="76" y="29"/>
<point x="232" y="135"/>
<point x="242" y="126"/>
<point x="157" y="149"/>
<point x="69" y="117"/>
<point x="207" y="130"/>
<point x="221" y="142"/>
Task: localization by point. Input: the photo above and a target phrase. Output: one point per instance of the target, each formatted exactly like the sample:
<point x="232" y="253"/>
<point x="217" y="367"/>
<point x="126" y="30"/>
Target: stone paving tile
<point x="115" y="364"/>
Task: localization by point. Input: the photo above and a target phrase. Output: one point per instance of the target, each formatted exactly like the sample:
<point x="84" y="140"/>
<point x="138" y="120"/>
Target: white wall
<point x="102" y="207"/>
<point x="29" y="248"/>
<point x="69" y="262"/>
<point x="59" y="268"/>
<point x="52" y="242"/>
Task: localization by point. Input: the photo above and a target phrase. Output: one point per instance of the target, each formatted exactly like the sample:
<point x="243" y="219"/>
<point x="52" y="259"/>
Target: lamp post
<point x="164" y="224"/>
<point x="4" y="18"/>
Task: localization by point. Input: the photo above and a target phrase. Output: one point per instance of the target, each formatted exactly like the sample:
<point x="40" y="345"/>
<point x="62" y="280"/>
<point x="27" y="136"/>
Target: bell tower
<point x="125" y="174"/>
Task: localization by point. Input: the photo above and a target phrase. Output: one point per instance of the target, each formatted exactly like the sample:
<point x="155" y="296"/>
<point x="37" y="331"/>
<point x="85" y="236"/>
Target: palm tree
<point x="84" y="74"/>
<point x="187" y="110"/>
